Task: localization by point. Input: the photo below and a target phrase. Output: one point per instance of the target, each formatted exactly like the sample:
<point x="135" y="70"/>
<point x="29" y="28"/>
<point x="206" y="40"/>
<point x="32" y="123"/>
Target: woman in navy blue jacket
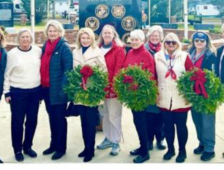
<point x="56" y="60"/>
<point x="203" y="56"/>
<point x="3" y="60"/>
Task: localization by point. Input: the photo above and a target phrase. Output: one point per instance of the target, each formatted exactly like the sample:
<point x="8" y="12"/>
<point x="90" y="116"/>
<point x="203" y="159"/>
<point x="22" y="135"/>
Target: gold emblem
<point x="118" y="11"/>
<point x="128" y="23"/>
<point x="127" y="39"/>
<point x="93" y="23"/>
<point x="102" y="11"/>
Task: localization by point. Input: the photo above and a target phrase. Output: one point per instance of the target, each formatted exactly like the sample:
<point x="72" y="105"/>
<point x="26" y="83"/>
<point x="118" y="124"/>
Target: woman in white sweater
<point x="22" y="91"/>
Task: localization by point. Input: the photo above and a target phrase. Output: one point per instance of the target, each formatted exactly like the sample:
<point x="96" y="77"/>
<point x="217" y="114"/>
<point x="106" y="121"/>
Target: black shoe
<point x="88" y="157"/>
<point x="1" y="162"/>
<point x="48" y="151"/>
<point x="57" y="155"/>
<point x="199" y="150"/>
<point x="170" y="153"/>
<point x="181" y="157"/>
<point x="160" y="145"/>
<point x="19" y="157"/>
<point x="150" y="146"/>
<point x="207" y="156"/>
<point x="135" y="152"/>
<point x="31" y="153"/>
<point x="141" y="159"/>
<point x="82" y="154"/>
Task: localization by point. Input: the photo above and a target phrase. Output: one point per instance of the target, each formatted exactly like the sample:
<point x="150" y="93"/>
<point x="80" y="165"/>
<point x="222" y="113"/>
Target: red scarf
<point x="45" y="62"/>
<point x="155" y="47"/>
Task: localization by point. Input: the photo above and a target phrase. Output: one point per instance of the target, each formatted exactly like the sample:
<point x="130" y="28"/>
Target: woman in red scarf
<point x="56" y="60"/>
<point x="154" y="116"/>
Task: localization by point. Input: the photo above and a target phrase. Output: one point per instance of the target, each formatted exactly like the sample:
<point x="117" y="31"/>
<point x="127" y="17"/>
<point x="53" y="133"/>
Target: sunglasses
<point x="201" y="40"/>
<point x="171" y="42"/>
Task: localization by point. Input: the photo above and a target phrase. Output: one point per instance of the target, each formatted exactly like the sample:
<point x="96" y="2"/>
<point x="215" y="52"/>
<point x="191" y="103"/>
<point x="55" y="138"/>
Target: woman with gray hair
<point x="155" y="121"/>
<point x="171" y="62"/>
<point x="138" y="55"/>
<point x="22" y="91"/>
<point x="56" y="60"/>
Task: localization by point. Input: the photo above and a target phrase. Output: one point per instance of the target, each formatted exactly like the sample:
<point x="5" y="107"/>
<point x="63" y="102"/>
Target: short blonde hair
<point x="174" y="37"/>
<point x="139" y="34"/>
<point x="21" y="31"/>
<point x="2" y="39"/>
<point x="57" y="25"/>
<point x="116" y="36"/>
<point x="155" y="28"/>
<point x="91" y="35"/>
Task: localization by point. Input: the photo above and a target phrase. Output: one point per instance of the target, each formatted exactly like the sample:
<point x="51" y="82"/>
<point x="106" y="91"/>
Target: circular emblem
<point x="102" y="11"/>
<point x="128" y="23"/>
<point x="93" y="23"/>
<point x="126" y="39"/>
<point x="118" y="11"/>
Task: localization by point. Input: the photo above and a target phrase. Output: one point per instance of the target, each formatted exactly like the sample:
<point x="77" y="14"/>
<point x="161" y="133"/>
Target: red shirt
<point x="198" y="63"/>
<point x="0" y="55"/>
<point x="141" y="56"/>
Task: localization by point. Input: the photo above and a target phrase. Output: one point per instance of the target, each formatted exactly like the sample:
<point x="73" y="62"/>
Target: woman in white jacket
<point x="88" y="53"/>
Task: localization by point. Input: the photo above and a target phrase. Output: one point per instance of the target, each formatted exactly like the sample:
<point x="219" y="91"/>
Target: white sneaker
<point x="115" y="149"/>
<point x="105" y="144"/>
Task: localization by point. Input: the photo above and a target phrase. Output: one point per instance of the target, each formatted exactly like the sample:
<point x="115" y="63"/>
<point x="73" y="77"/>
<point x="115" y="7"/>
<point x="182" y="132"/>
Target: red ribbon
<point x="172" y="73"/>
<point x="200" y="80"/>
<point x="86" y="72"/>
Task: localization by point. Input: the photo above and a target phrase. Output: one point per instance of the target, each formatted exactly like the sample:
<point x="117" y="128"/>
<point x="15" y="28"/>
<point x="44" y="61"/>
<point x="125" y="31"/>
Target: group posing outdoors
<point x="29" y="74"/>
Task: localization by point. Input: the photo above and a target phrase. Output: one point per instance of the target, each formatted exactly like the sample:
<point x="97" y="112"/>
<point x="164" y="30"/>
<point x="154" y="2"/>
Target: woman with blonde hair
<point x="170" y="63"/>
<point x="3" y="60"/>
<point x="56" y="60"/>
<point x="88" y="53"/>
<point x="22" y="91"/>
<point x="114" y="53"/>
<point x="203" y="57"/>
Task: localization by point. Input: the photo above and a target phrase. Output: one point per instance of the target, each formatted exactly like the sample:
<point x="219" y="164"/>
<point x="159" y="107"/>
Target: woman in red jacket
<point x="140" y="56"/>
<point x="114" y="53"/>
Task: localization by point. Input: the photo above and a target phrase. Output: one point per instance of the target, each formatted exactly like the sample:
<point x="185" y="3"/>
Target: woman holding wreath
<point x="203" y="56"/>
<point x="171" y="62"/>
<point x="114" y="53"/>
<point x="138" y="55"/>
<point x="88" y="53"/>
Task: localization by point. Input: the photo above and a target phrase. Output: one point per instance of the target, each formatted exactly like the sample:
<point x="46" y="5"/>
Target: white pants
<point x="111" y="113"/>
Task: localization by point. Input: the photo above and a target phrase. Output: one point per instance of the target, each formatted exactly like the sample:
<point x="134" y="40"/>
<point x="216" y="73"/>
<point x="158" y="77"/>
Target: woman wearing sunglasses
<point x="171" y="62"/>
<point x="203" y="56"/>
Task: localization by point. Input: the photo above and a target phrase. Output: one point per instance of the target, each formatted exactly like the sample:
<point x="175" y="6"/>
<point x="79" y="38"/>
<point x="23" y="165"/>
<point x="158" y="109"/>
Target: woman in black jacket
<point x="56" y="60"/>
<point x="3" y="60"/>
<point x="203" y="56"/>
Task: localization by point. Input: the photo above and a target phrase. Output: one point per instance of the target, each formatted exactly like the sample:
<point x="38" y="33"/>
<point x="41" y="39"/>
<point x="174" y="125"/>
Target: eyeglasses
<point x="171" y="42"/>
<point x="201" y="40"/>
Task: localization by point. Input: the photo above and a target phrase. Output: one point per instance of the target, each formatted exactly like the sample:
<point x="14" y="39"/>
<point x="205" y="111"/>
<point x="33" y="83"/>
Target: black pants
<point x="180" y="120"/>
<point x="58" y="123"/>
<point x="24" y="105"/>
<point x="89" y="120"/>
<point x="155" y="127"/>
<point x="140" y="122"/>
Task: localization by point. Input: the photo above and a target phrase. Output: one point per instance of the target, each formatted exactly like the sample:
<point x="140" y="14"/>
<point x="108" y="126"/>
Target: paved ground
<point x="75" y="142"/>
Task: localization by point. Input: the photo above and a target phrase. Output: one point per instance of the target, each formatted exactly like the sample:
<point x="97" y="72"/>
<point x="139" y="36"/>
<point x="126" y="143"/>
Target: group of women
<point x="29" y="74"/>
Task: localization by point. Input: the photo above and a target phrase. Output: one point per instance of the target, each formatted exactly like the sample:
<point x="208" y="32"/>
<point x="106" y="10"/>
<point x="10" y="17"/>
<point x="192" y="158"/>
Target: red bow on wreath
<point x="128" y="79"/>
<point x="86" y="72"/>
<point x="199" y="78"/>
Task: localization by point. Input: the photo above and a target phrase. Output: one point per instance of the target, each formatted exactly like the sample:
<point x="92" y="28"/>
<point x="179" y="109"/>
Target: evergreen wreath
<point x="202" y="89"/>
<point x="86" y="85"/>
<point x="135" y="88"/>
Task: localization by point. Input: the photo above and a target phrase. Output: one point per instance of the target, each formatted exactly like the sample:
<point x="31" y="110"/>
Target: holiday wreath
<point x="86" y="85"/>
<point x="135" y="88"/>
<point x="202" y="89"/>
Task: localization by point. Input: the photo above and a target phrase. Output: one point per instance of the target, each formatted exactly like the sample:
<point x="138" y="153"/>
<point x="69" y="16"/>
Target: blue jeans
<point x="205" y="128"/>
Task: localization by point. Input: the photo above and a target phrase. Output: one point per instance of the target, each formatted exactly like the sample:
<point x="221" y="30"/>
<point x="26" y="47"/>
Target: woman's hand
<point x="8" y="99"/>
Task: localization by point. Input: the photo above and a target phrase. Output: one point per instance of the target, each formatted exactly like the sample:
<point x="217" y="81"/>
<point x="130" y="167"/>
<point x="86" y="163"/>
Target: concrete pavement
<point x="75" y="142"/>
